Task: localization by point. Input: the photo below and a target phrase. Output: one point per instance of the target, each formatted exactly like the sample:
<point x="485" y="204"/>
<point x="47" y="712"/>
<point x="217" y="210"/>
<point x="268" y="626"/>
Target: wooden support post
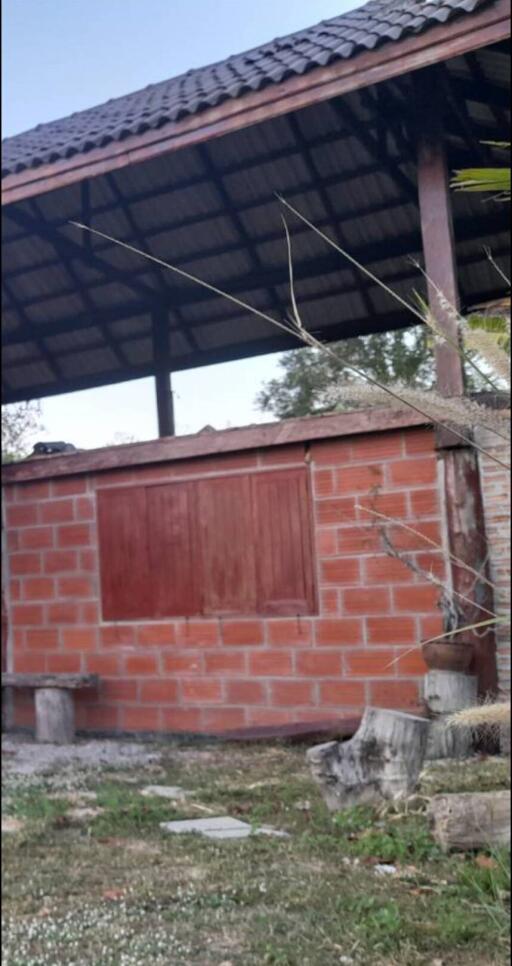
<point x="462" y="492"/>
<point x="437" y="228"/>
<point x="164" y="398"/>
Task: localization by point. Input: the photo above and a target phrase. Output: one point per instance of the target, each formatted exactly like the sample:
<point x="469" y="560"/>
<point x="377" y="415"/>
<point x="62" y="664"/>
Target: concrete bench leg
<point x="55" y="716"/>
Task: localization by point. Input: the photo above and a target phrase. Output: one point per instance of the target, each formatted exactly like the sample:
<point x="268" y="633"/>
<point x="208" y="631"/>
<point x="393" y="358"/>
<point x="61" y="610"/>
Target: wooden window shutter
<point x="226" y="545"/>
<point x="172" y="549"/>
<point x="123" y="541"/>
<point x="284" y="544"/>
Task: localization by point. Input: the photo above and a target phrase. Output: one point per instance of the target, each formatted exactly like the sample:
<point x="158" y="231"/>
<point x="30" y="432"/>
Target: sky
<point x="60" y="56"/>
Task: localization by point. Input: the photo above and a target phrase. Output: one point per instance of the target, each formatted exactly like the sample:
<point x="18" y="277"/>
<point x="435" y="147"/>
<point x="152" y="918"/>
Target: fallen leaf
<point x="113" y="895"/>
<point x="486" y="862"/>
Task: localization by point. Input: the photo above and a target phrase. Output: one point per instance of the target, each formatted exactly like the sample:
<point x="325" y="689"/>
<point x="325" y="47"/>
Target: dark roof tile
<point x="377" y="22"/>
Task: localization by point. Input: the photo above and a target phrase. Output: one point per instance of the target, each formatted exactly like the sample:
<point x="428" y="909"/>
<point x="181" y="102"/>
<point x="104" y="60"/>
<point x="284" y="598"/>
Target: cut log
<point x="445" y="741"/>
<point x="471" y="820"/>
<point x="55" y="716"/>
<point x="449" y="691"/>
<point x="382" y="761"/>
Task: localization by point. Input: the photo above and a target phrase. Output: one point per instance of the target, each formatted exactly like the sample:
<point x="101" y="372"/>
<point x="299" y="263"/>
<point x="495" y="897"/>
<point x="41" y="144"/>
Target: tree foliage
<point x="309" y="375"/>
<point x="20" y="421"/>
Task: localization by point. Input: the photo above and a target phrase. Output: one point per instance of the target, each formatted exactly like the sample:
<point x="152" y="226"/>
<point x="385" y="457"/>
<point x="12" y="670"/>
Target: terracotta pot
<point x="448" y="655"/>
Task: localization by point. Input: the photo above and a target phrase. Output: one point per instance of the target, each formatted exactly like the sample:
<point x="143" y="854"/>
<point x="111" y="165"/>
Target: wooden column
<point x="437" y="227"/>
<point x="163" y="388"/>
<point x="462" y="493"/>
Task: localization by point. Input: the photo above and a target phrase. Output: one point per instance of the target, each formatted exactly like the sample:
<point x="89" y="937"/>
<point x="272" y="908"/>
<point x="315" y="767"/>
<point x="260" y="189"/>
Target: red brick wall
<point x="209" y="675"/>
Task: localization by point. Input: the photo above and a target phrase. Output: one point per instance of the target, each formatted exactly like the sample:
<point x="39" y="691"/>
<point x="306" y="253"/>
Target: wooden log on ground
<point x="55" y="716"/>
<point x="471" y="820"/>
<point x="382" y="761"/>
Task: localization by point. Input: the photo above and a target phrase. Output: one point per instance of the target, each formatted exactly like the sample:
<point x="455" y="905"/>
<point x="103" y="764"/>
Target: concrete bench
<point x="55" y="709"/>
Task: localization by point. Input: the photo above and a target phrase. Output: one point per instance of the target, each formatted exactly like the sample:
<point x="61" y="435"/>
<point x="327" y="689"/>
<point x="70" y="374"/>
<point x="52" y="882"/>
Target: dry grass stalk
<point x="485" y="344"/>
<point x="495" y="715"/>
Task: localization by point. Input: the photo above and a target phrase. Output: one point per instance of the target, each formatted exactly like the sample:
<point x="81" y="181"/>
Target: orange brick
<point x="391" y="630"/>
<point x="199" y="690"/>
<point x="140" y="718"/>
<point x="63" y="613"/>
<point x="292" y="693"/>
<point x="69" y="486"/>
<point x="242" y="633"/>
<point x="431" y="626"/>
<point x="336" y="511"/>
<point x="76" y="587"/>
<point x="432" y="563"/>
<point x="88" y="561"/>
<point x="245" y="692"/>
<point x="411" y="662"/>
<point x="118" y="690"/>
<point x="157" y="634"/>
<point x="418" y="441"/>
<point x="365" y="602"/>
<point x="59" y="561"/>
<point x="188" y="663"/>
<point x="424" y="503"/>
<point x="414" y="472"/>
<point x="394" y="694"/>
<point x="410" y="541"/>
<point x="38" y="588"/>
<point x="43" y="639"/>
<point x="323" y="483"/>
<point x="269" y="663"/>
<point x="329" y="603"/>
<point x="279" y="455"/>
<point x="290" y="632"/>
<point x="219" y="662"/>
<point x="89" y="612"/>
<point x="106" y="665"/>
<point x="27" y="614"/>
<point x="264" y="717"/>
<point x="14" y="590"/>
<point x="103" y="718"/>
<point x="141" y="664"/>
<point x="13" y="540"/>
<point x="57" y="511"/>
<point x="30" y="663"/>
<point x="326" y="543"/>
<point x="64" y="663"/>
<point x="343" y="694"/>
<point x="393" y="505"/>
<point x="319" y="664"/>
<point x="362" y="539"/>
<point x="342" y="570"/>
<point x="32" y="492"/>
<point x="182" y="720"/>
<point x="329" y="453"/>
<point x="339" y="633"/>
<point x="377" y="447"/>
<point x="79" y="638"/>
<point x="359" y="479"/>
<point x="385" y="570"/>
<point x="22" y="515"/>
<point x="198" y="633"/>
<point x="36" y="538"/>
<point x="117" y="635"/>
<point x="22" y="564"/>
<point x="216" y="721"/>
<point x="160" y="691"/>
<point x="371" y="663"/>
<point x="417" y="598"/>
<point x="84" y="508"/>
<point x="74" y="535"/>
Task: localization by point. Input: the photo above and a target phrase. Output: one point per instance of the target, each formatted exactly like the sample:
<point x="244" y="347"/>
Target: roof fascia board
<point x="172" y="449"/>
<point x="437" y="44"/>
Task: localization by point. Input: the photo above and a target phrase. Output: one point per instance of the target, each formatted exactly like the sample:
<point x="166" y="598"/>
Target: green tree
<point x="20" y="421"/>
<point x="310" y="377"/>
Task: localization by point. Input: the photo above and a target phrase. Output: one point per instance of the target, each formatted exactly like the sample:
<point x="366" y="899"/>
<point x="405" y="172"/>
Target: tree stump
<point x="446" y="692"/>
<point x="55" y="716"/>
<point x="382" y="761"/>
<point x="471" y="820"/>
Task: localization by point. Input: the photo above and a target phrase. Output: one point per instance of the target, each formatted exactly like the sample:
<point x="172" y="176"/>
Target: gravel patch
<point x="22" y="757"/>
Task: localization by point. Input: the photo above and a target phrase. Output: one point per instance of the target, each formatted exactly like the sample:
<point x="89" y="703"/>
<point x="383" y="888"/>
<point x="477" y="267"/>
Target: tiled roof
<point x="375" y="23"/>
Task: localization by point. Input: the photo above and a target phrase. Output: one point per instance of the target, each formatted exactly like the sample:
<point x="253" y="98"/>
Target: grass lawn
<point x="113" y="889"/>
